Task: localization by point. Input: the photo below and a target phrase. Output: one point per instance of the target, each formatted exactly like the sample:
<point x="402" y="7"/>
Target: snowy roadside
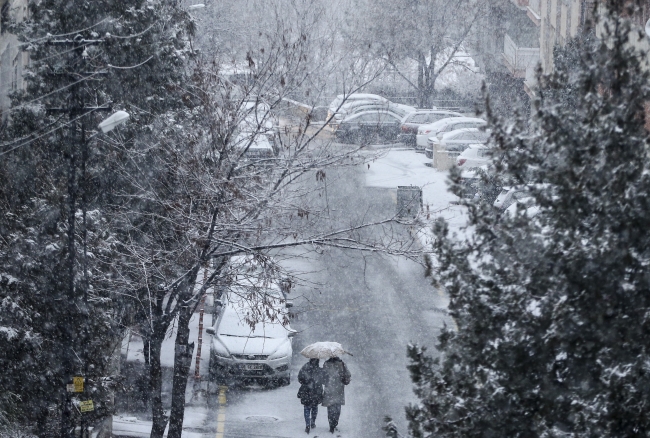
<point x="404" y="167"/>
<point x="138" y="424"/>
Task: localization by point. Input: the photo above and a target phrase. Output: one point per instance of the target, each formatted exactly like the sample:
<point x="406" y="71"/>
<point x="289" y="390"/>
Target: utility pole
<point x="77" y="112"/>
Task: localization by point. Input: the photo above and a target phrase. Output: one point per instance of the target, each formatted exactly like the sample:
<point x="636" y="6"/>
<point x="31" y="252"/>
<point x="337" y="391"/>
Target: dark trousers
<point x="310" y="414"/>
<point x="333" y="414"/>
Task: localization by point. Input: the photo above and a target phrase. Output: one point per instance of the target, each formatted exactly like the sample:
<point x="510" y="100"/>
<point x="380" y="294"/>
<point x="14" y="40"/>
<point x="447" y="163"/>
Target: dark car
<point x="369" y="126"/>
<point x="412" y="122"/>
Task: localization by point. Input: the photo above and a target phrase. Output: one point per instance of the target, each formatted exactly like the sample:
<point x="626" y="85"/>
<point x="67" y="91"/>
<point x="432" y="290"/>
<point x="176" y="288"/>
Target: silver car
<point x="251" y="339"/>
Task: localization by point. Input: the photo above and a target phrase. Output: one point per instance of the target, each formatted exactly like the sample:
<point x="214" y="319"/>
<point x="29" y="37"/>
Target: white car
<point x="362" y="106"/>
<point x="476" y="155"/>
<point x="522" y="206"/>
<point x="456" y="141"/>
<point x="251" y="339"/>
<point x="444" y="150"/>
<point x="445" y="125"/>
<point x="256" y="148"/>
<point x="510" y="195"/>
<point x="341" y="101"/>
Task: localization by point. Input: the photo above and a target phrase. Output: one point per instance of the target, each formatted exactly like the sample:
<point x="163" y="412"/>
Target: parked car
<point x="257" y="148"/>
<point x="445" y="150"/>
<point x="525" y="205"/>
<point x="243" y="350"/>
<point x="445" y="125"/>
<point x="414" y="120"/>
<point x="509" y="195"/>
<point x="369" y="126"/>
<point x="469" y="180"/>
<point x="343" y="101"/>
<point x="363" y="106"/>
<point x="476" y="155"/>
<point x="456" y="141"/>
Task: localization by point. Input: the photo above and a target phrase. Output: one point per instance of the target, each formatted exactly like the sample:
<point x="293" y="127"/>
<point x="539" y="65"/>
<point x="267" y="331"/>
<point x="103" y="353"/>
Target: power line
<point x="46" y="133"/>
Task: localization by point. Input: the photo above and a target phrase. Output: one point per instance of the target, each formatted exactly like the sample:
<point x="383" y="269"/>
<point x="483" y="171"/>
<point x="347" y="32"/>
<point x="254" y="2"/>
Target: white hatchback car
<point x="343" y="102"/>
<point x="251" y="339"/>
<point x="443" y="126"/>
<point x="476" y="155"/>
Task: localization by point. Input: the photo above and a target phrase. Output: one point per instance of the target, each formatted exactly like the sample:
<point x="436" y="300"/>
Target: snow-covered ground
<point x="403" y="167"/>
<point x="196" y="414"/>
<point x="391" y="301"/>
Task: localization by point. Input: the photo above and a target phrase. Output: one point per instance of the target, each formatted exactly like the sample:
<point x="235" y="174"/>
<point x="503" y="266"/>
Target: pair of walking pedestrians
<point x="324" y="386"/>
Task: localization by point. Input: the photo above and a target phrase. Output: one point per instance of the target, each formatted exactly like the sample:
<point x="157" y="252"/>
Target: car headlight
<point x="220" y="351"/>
<point x="282" y="352"/>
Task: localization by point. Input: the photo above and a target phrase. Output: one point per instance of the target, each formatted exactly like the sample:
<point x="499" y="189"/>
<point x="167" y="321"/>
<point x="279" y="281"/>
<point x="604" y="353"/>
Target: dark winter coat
<point x="311" y="379"/>
<point x="337" y="376"/>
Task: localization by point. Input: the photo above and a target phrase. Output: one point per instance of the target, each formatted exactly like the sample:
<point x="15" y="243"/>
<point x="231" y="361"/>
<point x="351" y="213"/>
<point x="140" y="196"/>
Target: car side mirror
<point x="211" y="331"/>
<point x="292" y="333"/>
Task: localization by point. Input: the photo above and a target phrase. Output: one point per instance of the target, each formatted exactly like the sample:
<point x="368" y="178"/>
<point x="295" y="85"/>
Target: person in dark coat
<point x="311" y="379"/>
<point x="337" y="376"/>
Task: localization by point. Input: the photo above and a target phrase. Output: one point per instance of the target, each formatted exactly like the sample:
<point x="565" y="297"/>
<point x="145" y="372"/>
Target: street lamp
<point x="114" y="120"/>
<point x="107" y="125"/>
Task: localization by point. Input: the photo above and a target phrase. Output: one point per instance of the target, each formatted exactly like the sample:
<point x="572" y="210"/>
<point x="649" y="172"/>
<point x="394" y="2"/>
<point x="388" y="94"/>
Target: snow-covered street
<point x="373" y="305"/>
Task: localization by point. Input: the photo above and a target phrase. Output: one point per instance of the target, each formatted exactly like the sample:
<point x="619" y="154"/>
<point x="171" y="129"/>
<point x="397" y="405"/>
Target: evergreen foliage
<point x="552" y="301"/>
<point x="134" y="58"/>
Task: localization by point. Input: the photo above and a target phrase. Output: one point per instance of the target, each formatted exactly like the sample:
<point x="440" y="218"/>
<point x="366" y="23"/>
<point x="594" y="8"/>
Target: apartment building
<point x="554" y="22"/>
<point x="12" y="59"/>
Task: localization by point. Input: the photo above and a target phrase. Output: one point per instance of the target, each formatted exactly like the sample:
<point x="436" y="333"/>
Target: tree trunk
<point x="422" y="80"/>
<point x="182" y="360"/>
<point x="155" y="378"/>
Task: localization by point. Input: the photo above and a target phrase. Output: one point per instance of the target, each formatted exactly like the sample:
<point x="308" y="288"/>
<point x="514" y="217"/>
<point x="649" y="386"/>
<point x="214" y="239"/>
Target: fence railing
<point x="519" y="57"/>
<point x="535" y="7"/>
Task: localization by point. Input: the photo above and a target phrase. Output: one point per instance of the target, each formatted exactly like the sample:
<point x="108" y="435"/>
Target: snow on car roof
<point x="260" y="141"/>
<point x="356" y="115"/>
<point x="457" y="131"/>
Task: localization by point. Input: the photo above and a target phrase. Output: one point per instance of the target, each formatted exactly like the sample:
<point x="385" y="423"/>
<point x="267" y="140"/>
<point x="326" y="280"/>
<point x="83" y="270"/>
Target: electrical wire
<point x="131" y="67"/>
<point x="44" y="134"/>
<point x="23" y="105"/>
<point x="49" y="37"/>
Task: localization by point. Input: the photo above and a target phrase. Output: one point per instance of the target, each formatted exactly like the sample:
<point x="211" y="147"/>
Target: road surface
<point x="373" y="304"/>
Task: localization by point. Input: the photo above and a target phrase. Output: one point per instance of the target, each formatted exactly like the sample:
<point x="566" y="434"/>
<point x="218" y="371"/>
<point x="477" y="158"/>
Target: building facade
<point x="12" y="59"/>
<point x="554" y="23"/>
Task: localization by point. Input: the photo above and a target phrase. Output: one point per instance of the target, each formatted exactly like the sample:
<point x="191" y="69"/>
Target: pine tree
<point x="552" y="302"/>
<point x="116" y="54"/>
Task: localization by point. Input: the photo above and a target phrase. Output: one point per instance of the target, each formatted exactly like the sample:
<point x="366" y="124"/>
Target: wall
<point x="12" y="59"/>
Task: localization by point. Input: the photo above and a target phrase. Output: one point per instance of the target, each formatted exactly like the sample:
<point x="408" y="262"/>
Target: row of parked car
<point x="442" y="134"/>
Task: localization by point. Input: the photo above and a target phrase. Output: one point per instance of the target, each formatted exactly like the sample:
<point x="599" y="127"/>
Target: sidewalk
<point x="132" y="422"/>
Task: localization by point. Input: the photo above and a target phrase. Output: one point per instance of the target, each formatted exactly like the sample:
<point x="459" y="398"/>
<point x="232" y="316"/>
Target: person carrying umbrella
<point x="336" y="376"/>
<point x="311" y="379"/>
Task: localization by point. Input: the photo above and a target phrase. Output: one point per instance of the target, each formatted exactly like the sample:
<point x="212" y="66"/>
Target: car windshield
<point x="234" y="323"/>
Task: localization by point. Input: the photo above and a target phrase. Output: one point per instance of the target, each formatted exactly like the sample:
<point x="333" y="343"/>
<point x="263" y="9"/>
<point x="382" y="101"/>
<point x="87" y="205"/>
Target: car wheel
<point x="285" y="381"/>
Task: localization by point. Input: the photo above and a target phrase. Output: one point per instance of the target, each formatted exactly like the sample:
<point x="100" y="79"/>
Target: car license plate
<point x="253" y="366"/>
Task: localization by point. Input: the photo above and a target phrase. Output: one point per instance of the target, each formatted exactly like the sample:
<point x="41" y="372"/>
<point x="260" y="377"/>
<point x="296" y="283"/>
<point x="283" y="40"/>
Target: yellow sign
<point x="86" y="406"/>
<point x="78" y="383"/>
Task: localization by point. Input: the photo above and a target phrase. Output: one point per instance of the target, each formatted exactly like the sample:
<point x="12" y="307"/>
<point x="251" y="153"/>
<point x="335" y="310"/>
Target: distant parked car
<point x="443" y="126"/>
<point x="446" y="149"/>
<point x="256" y="148"/>
<point x="509" y="195"/>
<point x="456" y="141"/>
<point x="251" y="340"/>
<point x="341" y="102"/>
<point x="525" y="205"/>
<point x="363" y="106"/>
<point x="369" y="126"/>
<point x="414" y="120"/>
<point x="476" y="155"/>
